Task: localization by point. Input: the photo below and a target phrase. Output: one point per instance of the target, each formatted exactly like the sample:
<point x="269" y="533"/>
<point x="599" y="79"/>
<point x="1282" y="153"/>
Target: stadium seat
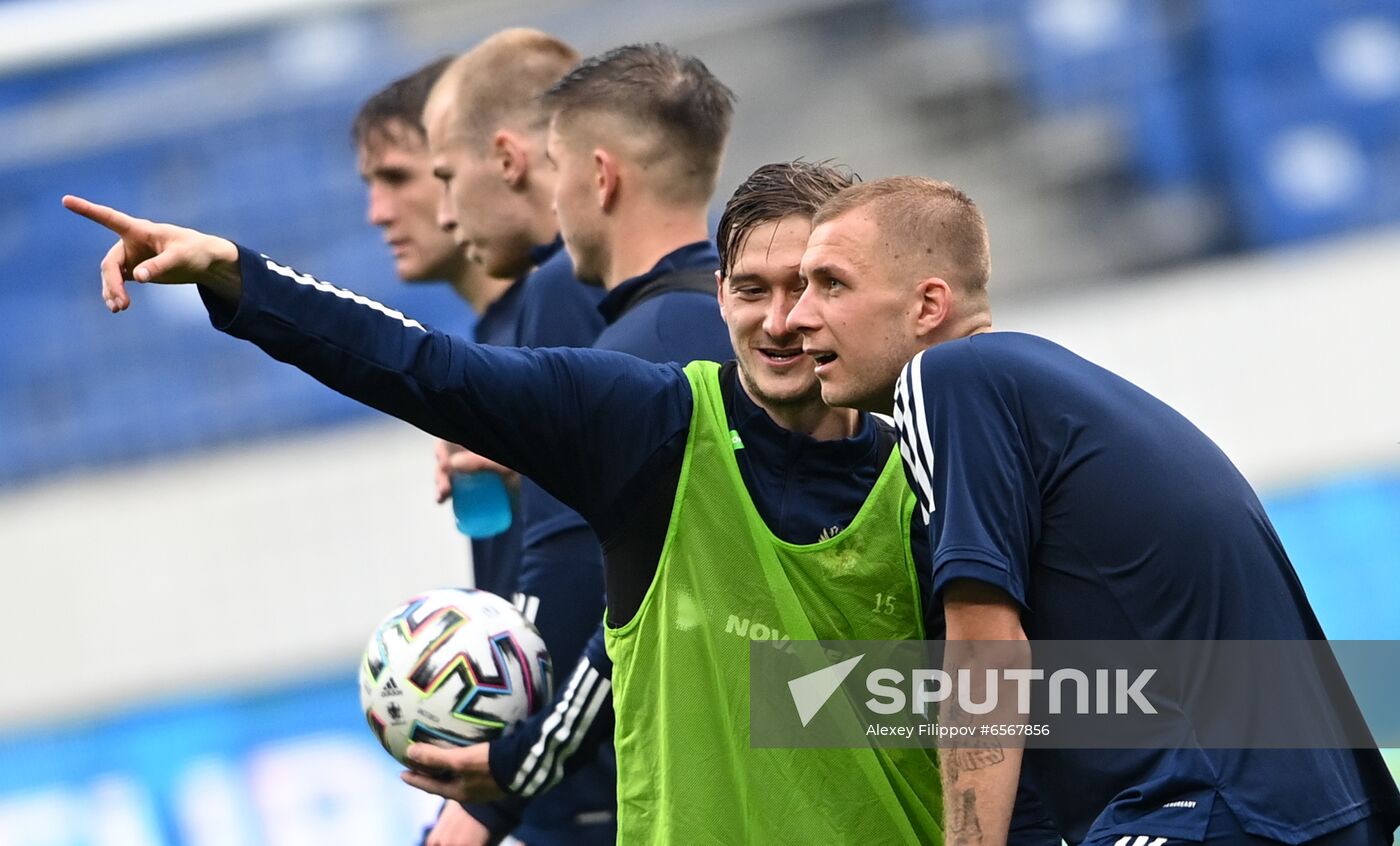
<point x="1282" y="44"/>
<point x="1074" y="53"/>
<point x="1301" y="164"/>
<point x="283" y="181"/>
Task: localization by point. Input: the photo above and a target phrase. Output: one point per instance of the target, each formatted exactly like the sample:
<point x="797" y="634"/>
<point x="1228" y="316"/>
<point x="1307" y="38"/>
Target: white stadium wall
<point x="246" y="566"/>
<point x="1288" y="359"/>
<point x="220" y="570"/>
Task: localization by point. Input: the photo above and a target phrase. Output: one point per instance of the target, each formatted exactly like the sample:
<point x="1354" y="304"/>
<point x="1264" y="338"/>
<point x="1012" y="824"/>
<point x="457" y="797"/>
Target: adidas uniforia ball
<point x="452" y="667"/>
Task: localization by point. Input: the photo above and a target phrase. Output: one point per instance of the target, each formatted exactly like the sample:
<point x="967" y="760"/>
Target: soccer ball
<point x="454" y="667"/>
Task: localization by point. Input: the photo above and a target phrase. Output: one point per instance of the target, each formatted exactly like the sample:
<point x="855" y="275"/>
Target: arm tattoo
<point x="963" y="824"/>
<point x="975" y="753"/>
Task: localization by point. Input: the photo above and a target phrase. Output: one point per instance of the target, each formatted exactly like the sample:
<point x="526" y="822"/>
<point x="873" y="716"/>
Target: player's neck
<point x="818" y="421"/>
<point x="542" y="223"/>
<point x="480" y="290"/>
<point x="814" y="419"/>
<point x="648" y="234"/>
<point x="882" y="402"/>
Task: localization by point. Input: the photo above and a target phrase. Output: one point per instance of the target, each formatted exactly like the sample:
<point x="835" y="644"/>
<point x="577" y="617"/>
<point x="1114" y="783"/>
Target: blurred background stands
<point x="1104" y="138"/>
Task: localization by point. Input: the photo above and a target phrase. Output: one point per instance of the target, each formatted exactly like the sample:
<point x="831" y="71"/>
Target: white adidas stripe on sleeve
<point x="915" y="444"/>
<point x="572" y="715"/>
<point x="326" y="287"/>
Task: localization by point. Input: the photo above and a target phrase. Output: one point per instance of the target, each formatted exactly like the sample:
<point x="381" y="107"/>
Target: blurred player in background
<point x="730" y="451"/>
<point x="486" y="121"/>
<point x="637" y="137"/>
<point x="486" y="140"/>
<point x="391" y="150"/>
<point x="1063" y="503"/>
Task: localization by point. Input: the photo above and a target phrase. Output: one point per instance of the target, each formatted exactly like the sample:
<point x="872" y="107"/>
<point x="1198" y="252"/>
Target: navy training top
<point x="558" y="583"/>
<point x="586" y="424"/>
<point x="676" y="326"/>
<point x="679" y="326"/>
<point x="574" y="755"/>
<point x="547" y="307"/>
<point x="496" y="559"/>
<point x="1108" y="516"/>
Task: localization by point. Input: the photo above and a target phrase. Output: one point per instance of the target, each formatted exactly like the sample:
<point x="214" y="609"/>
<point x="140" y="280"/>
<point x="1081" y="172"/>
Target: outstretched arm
<point x="581" y="423"/>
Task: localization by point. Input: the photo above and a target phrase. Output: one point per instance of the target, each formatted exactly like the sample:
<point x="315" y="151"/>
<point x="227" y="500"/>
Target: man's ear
<point x="935" y="305"/>
<point x="511" y="157"/>
<point x="719" y="288"/>
<point x="606" y="178"/>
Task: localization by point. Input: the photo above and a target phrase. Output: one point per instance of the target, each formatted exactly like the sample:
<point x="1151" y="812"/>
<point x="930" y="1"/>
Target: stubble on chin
<point x="783" y="400"/>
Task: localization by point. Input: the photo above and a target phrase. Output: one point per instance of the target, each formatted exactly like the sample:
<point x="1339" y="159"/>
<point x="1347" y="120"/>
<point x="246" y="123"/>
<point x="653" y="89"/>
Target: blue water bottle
<point x="480" y="503"/>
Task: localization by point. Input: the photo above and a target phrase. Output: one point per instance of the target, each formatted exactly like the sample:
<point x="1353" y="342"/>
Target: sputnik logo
<point x="810" y="692"/>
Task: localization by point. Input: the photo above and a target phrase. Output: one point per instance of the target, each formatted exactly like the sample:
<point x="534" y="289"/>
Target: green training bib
<point x="686" y="772"/>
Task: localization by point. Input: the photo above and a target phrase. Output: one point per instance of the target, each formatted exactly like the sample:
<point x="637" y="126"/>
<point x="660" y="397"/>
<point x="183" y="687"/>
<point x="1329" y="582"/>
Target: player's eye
<point x="833" y="284"/>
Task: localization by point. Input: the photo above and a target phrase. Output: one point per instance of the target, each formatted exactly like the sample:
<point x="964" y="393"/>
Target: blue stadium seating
<point x="1279" y="40"/>
<point x="1076" y="54"/>
<point x="80" y="388"/>
<point x="1307" y="106"/>
<point x="1167" y="147"/>
<point x="1119" y="57"/>
<point x="1256" y="106"/>
<point x="1302" y="163"/>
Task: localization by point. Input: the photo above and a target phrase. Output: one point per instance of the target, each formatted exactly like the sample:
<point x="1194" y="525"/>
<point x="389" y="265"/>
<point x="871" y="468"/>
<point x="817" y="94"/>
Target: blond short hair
<point x="498" y="83"/>
<point x="933" y="226"/>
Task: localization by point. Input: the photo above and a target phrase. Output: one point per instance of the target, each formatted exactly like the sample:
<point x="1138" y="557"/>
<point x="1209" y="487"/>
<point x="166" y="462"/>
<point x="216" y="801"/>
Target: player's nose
<point x="776" y="320"/>
<point x="803" y="317"/>
<point x="379" y="210"/>
<point x="446" y="214"/>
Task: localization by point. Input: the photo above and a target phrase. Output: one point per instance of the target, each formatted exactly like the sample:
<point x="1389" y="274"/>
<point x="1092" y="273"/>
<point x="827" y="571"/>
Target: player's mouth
<point x="781" y="357"/>
<point x="823" y="358"/>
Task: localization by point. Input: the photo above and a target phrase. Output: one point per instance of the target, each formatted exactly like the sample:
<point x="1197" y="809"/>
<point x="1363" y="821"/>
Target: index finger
<point x="118" y="222"/>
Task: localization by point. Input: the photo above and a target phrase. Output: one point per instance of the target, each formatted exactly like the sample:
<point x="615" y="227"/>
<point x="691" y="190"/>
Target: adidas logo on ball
<point x="391" y="688"/>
